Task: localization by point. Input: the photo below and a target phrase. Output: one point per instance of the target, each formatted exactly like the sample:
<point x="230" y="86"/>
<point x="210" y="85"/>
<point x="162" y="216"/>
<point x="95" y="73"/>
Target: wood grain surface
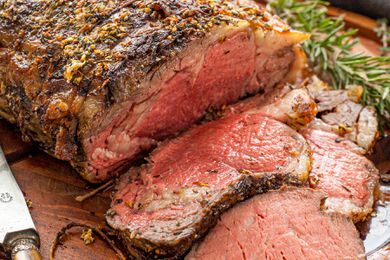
<point x="52" y="185"/>
<point x="365" y="24"/>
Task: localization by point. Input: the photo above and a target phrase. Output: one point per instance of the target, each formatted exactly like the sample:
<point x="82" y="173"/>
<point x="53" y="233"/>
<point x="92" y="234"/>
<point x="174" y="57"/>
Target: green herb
<point x="330" y="53"/>
<point x="383" y="32"/>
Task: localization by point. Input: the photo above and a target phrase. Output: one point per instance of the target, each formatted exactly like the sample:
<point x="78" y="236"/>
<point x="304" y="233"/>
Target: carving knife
<point x="18" y="235"/>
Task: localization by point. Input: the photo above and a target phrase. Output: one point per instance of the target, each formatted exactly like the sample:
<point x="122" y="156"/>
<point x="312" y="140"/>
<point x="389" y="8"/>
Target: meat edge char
<point x="246" y="188"/>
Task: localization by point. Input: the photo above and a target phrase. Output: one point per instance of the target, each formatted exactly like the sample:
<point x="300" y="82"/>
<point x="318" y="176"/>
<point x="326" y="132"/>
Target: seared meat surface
<point x="97" y="82"/>
<point x="285" y="224"/>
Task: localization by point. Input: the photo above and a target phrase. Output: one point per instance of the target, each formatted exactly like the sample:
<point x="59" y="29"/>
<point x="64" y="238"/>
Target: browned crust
<point x="58" y="58"/>
<point x="244" y="189"/>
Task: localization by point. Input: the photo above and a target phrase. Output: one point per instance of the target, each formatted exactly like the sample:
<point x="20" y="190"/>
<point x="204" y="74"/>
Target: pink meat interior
<point x="280" y="225"/>
<point x="341" y="173"/>
<point x="197" y="169"/>
<point x="216" y="75"/>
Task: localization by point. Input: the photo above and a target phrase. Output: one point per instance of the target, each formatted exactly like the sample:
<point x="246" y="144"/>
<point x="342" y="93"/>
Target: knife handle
<point x="23" y="245"/>
<point x="25" y="249"/>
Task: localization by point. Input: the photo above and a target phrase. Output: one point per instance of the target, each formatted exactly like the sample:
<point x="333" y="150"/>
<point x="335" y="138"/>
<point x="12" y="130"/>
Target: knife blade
<point x="18" y="235"/>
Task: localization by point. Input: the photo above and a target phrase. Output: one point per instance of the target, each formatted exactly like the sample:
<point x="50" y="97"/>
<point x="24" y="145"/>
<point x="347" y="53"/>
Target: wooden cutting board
<point x="52" y="185"/>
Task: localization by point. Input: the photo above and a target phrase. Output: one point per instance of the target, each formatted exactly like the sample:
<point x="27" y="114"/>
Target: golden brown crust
<point x="58" y="58"/>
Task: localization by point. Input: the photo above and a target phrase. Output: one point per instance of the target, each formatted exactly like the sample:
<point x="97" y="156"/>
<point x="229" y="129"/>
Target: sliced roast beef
<point x="285" y="104"/>
<point x="344" y="115"/>
<point x="343" y="132"/>
<point x="285" y="224"/>
<point x="367" y="129"/>
<point x="329" y="99"/>
<point x="161" y="208"/>
<point x="322" y="126"/>
<point x="359" y="124"/>
<point x="348" y="179"/>
<point x="341" y="114"/>
<point x="97" y="82"/>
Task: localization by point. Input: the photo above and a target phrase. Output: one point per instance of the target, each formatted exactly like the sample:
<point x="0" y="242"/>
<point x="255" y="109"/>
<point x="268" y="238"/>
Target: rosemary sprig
<point x="383" y="32"/>
<point x="330" y="53"/>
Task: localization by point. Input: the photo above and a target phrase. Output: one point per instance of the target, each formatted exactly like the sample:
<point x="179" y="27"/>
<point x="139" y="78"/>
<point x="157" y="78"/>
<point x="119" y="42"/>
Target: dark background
<point x="372" y="8"/>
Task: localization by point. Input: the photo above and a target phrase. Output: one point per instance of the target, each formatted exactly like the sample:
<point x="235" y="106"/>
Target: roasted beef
<point x="294" y="107"/>
<point x="161" y="208"/>
<point x="285" y="224"/>
<point x="342" y="133"/>
<point x="340" y="113"/>
<point x="97" y="82"/>
<point x="347" y="178"/>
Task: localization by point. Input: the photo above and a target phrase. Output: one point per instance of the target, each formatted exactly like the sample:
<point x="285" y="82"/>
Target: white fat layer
<point x="348" y="208"/>
<point x="367" y="128"/>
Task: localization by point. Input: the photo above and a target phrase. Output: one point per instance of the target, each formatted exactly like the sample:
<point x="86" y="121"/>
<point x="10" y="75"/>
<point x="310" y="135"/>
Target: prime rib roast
<point x="164" y="207"/>
<point x="294" y="107"/>
<point x="340" y="112"/>
<point x="342" y="133"/>
<point x="348" y="179"/>
<point x="161" y="208"/>
<point x="286" y="224"/>
<point x="98" y="82"/>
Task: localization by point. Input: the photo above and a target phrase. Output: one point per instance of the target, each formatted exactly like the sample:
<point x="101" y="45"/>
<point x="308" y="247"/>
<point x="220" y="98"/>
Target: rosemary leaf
<point x="383" y="32"/>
